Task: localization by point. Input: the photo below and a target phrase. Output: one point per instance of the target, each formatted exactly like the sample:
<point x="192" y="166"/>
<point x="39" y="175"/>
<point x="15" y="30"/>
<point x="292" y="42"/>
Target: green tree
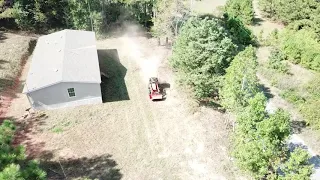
<point x="40" y="14"/>
<point x="299" y="14"/>
<point x="168" y="17"/>
<point x="240" y="9"/>
<point x="240" y="81"/>
<point x="260" y="139"/>
<point x="240" y="34"/>
<point x="13" y="163"/>
<point x="201" y="54"/>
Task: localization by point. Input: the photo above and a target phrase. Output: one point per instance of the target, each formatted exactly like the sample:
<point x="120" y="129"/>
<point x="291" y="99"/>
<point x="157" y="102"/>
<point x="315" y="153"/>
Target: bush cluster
<point x="298" y="14"/>
<point x="13" y="163"/>
<point x="277" y="61"/>
<point x="301" y="47"/>
<point x="260" y="144"/>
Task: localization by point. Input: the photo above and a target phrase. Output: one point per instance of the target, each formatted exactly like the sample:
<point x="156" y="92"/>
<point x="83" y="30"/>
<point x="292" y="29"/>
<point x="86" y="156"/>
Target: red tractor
<point x="154" y="90"/>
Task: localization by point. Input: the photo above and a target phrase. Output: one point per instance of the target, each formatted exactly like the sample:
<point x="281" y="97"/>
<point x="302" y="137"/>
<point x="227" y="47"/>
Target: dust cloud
<point x="142" y="54"/>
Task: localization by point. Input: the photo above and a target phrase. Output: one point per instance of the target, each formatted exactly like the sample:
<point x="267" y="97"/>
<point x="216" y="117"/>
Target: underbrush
<point x="305" y="96"/>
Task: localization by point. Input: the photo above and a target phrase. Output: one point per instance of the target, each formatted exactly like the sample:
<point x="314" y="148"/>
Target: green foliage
<point x="276" y="61"/>
<point x="297" y="166"/>
<point x="260" y="139"/>
<point x="292" y="96"/>
<point x="201" y="53"/>
<point x="240" y="81"/>
<point x="169" y="16"/>
<point x="298" y="14"/>
<point x="301" y="47"/>
<point x="45" y="15"/>
<point x="239" y="32"/>
<point x="13" y="163"/>
<point x="240" y="9"/>
<point x="39" y="14"/>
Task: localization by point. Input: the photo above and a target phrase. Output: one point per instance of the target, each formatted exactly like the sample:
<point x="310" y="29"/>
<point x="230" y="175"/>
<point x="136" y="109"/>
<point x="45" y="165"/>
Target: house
<point x="64" y="71"/>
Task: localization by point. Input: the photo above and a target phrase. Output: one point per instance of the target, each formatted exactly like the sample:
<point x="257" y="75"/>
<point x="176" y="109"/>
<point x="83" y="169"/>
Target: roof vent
<point x="56" y="70"/>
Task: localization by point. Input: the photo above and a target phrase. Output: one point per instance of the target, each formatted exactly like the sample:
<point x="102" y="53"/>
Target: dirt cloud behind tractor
<point x="147" y="62"/>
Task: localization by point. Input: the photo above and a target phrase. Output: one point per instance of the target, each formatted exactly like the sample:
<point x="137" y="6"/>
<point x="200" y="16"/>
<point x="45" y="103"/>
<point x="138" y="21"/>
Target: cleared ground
<point x="129" y="136"/>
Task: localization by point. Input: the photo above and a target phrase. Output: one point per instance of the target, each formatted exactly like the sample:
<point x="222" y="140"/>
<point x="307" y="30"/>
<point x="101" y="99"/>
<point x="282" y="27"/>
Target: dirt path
<point x="134" y="138"/>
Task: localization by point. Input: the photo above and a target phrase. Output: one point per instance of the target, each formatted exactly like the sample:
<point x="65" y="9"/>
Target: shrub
<point x="301" y="47"/>
<point x="240" y="81"/>
<point x="201" y="54"/>
<point x="276" y="61"/>
<point x="13" y="163"/>
<point x="297" y="167"/>
<point x="240" y="9"/>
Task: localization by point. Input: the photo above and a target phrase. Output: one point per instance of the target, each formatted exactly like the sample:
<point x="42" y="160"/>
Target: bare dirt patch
<point x="135" y="137"/>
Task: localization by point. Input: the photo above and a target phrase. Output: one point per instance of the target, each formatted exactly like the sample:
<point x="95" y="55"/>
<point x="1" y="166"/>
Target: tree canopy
<point x="240" y="82"/>
<point x="242" y="10"/>
<point x="201" y="54"/>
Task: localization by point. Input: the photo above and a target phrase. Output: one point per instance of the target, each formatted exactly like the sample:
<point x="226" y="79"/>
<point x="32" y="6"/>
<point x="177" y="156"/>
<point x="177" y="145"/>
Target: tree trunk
<point x="145" y="14"/>
<point x="167" y="41"/>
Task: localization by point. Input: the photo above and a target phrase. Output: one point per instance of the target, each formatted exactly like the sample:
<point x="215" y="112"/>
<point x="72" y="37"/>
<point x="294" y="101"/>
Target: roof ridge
<point x="63" y="51"/>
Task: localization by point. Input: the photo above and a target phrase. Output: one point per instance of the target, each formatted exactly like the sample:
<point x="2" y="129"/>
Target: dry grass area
<point x="14" y="50"/>
<point x="208" y="6"/>
<point x="129" y="136"/>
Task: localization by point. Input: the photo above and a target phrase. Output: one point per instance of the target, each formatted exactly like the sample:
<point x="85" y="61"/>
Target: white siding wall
<point x="56" y="96"/>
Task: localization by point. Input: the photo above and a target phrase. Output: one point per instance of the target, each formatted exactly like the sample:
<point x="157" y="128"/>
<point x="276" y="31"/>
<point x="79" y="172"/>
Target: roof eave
<point x="26" y="91"/>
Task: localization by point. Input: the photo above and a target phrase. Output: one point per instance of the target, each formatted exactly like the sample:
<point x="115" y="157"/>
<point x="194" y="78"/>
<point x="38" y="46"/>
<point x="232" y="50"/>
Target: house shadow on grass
<point x="98" y="167"/>
<point x="113" y="86"/>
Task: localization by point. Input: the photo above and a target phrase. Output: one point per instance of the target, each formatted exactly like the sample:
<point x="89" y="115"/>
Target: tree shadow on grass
<point x="257" y="21"/>
<point x="2" y="36"/>
<point x="315" y="159"/>
<point x="98" y="167"/>
<point x="266" y="90"/>
<point x="113" y="86"/>
<point x="297" y="126"/>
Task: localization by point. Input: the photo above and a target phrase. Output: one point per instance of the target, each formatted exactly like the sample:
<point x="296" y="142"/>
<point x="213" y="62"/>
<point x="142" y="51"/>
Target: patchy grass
<point x="148" y="140"/>
<point x="57" y="130"/>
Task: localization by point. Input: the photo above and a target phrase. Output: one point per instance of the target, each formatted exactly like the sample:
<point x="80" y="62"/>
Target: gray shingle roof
<point x="64" y="56"/>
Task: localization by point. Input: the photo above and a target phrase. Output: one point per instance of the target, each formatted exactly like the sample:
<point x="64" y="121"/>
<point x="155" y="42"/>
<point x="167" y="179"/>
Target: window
<point x="71" y="92"/>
